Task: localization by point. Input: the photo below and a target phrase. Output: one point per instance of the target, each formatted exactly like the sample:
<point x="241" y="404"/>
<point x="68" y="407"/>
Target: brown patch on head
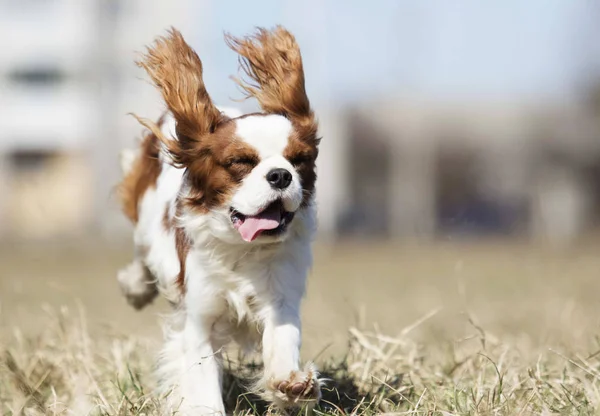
<point x="220" y="163"/>
<point x="143" y="175"/>
<point x="272" y="60"/>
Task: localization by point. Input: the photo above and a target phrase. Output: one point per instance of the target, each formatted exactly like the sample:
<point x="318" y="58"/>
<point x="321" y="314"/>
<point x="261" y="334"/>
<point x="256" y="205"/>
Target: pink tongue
<point x="252" y="226"/>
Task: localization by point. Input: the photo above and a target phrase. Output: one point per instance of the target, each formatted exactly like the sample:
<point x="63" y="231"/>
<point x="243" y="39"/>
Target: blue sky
<point x="431" y="48"/>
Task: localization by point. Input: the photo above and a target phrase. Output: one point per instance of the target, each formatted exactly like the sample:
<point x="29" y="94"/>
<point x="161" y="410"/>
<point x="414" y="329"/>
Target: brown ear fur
<point x="272" y="61"/>
<point x="177" y="71"/>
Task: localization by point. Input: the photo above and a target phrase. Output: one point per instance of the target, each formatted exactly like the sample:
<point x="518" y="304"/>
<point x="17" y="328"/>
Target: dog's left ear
<point x="176" y="70"/>
<point x="272" y="60"/>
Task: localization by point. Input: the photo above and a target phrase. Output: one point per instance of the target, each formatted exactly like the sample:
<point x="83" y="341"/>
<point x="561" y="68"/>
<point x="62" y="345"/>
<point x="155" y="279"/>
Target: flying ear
<point x="176" y="70"/>
<point x="272" y="61"/>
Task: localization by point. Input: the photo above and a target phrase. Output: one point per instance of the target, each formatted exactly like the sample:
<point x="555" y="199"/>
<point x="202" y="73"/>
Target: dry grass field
<point x="443" y="329"/>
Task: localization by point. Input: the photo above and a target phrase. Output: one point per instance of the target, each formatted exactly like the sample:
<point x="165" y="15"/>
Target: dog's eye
<point x="242" y="161"/>
<point x="300" y="160"/>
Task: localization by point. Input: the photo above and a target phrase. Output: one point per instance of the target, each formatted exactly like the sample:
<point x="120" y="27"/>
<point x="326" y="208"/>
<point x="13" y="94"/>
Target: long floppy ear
<point x="272" y="61"/>
<point x="176" y="70"/>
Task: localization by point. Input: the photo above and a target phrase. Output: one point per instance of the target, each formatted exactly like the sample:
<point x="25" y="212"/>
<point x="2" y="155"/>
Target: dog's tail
<point x="141" y="168"/>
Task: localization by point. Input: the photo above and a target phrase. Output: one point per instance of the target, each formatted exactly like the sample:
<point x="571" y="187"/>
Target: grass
<point x="464" y="329"/>
<point x="65" y="370"/>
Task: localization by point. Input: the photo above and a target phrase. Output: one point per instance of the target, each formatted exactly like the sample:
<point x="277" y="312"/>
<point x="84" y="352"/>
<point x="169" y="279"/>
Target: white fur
<point x="267" y="134"/>
<point x="233" y="290"/>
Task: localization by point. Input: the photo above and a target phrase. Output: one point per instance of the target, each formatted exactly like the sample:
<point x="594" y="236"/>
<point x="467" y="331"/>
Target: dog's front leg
<point x="191" y="366"/>
<point x="201" y="383"/>
<point x="287" y="385"/>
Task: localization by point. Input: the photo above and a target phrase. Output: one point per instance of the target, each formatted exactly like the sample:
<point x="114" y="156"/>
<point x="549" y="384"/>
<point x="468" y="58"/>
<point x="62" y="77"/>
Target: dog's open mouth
<point x="273" y="220"/>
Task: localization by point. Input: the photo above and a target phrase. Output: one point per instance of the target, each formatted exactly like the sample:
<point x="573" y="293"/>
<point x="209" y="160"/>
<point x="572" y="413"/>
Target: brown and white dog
<point x="224" y="214"/>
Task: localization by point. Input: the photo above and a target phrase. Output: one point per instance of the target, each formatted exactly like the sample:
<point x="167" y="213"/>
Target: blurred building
<point x="68" y="79"/>
<point x="47" y="79"/>
<point x="390" y="166"/>
<point x="435" y="169"/>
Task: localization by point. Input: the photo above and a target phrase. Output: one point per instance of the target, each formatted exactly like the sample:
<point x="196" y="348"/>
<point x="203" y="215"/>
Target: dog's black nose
<point x="279" y="178"/>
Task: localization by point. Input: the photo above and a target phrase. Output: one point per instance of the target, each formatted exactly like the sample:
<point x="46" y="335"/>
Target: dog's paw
<point x="137" y="285"/>
<point x="301" y="388"/>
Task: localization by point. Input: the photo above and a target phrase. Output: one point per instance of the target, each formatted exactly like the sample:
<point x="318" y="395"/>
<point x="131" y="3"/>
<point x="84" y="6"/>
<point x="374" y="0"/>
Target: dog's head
<point x="250" y="175"/>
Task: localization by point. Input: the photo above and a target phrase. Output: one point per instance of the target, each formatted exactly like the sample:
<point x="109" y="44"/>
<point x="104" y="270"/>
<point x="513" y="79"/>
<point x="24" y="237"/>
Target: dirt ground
<point x="540" y="297"/>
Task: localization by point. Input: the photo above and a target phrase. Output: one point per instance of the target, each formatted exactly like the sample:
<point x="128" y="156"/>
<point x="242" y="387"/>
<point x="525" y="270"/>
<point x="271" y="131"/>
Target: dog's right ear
<point x="272" y="61"/>
<point x="176" y="70"/>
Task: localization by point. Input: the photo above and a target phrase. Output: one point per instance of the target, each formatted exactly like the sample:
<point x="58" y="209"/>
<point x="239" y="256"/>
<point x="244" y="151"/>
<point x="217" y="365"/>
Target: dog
<point x="223" y="206"/>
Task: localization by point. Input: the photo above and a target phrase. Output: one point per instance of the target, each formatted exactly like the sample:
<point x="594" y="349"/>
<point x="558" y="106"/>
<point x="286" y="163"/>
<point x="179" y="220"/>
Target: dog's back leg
<point x="137" y="284"/>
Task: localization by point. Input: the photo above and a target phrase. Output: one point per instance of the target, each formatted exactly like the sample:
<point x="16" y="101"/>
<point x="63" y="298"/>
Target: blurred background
<point x="454" y="133"/>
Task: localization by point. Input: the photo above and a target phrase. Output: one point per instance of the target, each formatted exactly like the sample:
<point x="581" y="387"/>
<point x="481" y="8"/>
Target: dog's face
<point x="248" y="176"/>
<point x="280" y="176"/>
<point x="251" y="176"/>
